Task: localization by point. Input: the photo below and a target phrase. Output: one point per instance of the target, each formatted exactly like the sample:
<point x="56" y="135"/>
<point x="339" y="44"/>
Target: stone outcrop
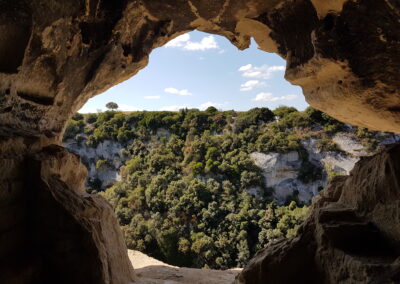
<point x="351" y="235"/>
<point x="281" y="173"/>
<point x="56" y="233"/>
<point x="152" y="271"/>
<point x="109" y="151"/>
<point x="55" y="55"/>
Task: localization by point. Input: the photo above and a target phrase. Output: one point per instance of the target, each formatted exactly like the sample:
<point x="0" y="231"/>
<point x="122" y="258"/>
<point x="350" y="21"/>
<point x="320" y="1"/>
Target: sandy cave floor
<point x="151" y="271"/>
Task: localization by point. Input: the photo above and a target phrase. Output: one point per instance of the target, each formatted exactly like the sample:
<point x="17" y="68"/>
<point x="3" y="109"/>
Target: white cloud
<point x="179" y="41"/>
<point x="184" y="42"/>
<point x="152" y="97"/>
<point x="175" y="91"/>
<point x="173" y="108"/>
<point x="245" y="67"/>
<point x="208" y="104"/>
<point x="268" y="97"/>
<point x="261" y="72"/>
<point x="222" y="51"/>
<point x="206" y="43"/>
<point x="249" y="85"/>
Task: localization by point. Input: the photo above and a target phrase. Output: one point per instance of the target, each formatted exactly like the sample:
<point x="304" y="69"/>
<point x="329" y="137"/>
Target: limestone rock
<point x="82" y="231"/>
<point x="351" y="235"/>
<point x="66" y="235"/>
<point x="108" y="150"/>
<point x="55" y="55"/>
<point x="152" y="271"/>
<point x="281" y="173"/>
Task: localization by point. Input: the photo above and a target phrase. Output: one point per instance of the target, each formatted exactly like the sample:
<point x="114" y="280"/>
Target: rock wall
<point x="53" y="232"/>
<point x="351" y="235"/>
<point x="55" y="55"/>
<point x="282" y="171"/>
<point x="109" y="151"/>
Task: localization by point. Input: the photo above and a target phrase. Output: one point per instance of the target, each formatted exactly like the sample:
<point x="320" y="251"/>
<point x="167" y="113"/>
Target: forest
<point x="184" y="194"/>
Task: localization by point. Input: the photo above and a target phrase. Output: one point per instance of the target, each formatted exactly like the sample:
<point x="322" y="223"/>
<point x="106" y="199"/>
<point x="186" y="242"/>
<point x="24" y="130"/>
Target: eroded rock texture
<point x="52" y="232"/>
<point x="351" y="236"/>
<point x="56" y="54"/>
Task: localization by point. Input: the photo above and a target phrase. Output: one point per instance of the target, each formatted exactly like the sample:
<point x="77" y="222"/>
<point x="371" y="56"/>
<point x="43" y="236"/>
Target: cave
<point x="55" y="55"/>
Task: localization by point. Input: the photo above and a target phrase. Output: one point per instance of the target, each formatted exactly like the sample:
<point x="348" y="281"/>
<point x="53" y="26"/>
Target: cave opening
<point x="55" y="55"/>
<point x="127" y="152"/>
<point x="210" y="72"/>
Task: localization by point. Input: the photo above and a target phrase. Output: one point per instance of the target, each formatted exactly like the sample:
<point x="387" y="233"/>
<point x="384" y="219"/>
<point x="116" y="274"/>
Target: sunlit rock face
<point x="55" y="55"/>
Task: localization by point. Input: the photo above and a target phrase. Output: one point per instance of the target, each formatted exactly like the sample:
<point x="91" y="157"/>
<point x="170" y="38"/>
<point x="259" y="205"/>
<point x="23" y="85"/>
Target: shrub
<point x="326" y="144"/>
<point x="283" y="111"/>
<point x="101" y="164"/>
<point x="73" y="128"/>
<point x="91" y="118"/>
<point x="77" y="116"/>
<point x="255" y="116"/>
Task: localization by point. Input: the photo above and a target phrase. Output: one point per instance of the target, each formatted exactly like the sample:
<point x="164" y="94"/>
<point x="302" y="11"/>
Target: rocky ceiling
<point x="56" y="54"/>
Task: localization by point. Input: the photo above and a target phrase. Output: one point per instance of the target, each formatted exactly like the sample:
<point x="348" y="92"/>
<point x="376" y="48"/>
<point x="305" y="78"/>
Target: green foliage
<point x="184" y="197"/>
<point x="186" y="201"/>
<point x="281" y="142"/>
<point x="77" y="116"/>
<point x="100" y="164"/>
<point x="330" y="124"/>
<point x="331" y="172"/>
<point x="368" y="138"/>
<point x="91" y="118"/>
<point x="326" y="144"/>
<point x="73" y="128"/>
<point x="255" y="116"/>
<point x="111" y="105"/>
<point x="283" y="111"/>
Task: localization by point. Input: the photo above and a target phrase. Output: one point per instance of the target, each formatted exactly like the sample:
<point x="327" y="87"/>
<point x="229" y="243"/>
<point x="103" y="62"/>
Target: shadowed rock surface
<point x="55" y="55"/>
<point x="351" y="236"/>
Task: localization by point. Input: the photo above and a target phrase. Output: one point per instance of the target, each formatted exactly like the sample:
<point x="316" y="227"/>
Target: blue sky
<point x="197" y="70"/>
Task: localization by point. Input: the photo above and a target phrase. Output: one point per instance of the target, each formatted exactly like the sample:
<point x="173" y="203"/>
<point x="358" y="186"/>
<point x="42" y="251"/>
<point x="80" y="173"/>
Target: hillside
<point x="210" y="188"/>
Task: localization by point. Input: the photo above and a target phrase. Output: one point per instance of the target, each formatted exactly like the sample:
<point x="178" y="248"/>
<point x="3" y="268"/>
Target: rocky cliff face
<point x="281" y="170"/>
<point x="348" y="238"/>
<point x="108" y="150"/>
<point x="55" y="55"/>
<point x="55" y="229"/>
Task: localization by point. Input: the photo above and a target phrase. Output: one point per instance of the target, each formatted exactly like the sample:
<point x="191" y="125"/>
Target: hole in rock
<point x="14" y="36"/>
<point x="208" y="154"/>
<point x="329" y="22"/>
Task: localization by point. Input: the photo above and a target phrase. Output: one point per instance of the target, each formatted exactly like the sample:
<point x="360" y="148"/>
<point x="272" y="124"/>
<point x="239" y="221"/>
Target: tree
<point x="91" y="118"/>
<point x="211" y="109"/>
<point x="111" y="105"/>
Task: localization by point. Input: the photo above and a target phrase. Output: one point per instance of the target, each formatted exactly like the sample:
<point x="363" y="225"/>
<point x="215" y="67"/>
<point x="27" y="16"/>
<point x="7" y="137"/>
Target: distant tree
<point x="112" y="105"/>
<point x="211" y="109"/>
